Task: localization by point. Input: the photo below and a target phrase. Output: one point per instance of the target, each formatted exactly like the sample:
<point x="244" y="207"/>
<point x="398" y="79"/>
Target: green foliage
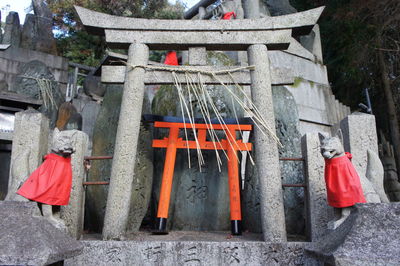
<point x="78" y="46"/>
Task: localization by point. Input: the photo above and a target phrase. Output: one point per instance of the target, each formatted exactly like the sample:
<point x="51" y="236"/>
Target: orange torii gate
<point x="173" y="142"/>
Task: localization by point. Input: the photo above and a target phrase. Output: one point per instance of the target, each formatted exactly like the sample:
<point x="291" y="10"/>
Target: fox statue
<point x="50" y="184"/>
<point x="344" y="186"/>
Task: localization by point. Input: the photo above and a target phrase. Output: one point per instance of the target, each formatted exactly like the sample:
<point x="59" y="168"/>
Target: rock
<point x="105" y="130"/>
<point x="27" y="238"/>
<point x="12" y="30"/>
<point x="93" y="87"/>
<point x="368" y="237"/>
<point x="39" y="29"/>
<point x="27" y="83"/>
<point x="375" y="174"/>
<point x="286" y="117"/>
<point x="279" y="7"/>
<point x="37" y="34"/>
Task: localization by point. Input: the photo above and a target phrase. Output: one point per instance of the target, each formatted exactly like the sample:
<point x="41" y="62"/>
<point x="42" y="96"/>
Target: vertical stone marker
<point x="318" y="209"/>
<point x="30" y="138"/>
<point x="359" y="136"/>
<point x="122" y="173"/>
<point x="73" y="213"/>
<point x="266" y="150"/>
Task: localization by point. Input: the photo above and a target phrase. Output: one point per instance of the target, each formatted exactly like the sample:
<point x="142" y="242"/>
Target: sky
<point x="21" y="5"/>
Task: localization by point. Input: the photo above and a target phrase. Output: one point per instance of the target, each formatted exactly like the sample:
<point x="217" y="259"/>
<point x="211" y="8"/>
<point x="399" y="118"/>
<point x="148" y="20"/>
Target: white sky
<point x="21" y="5"/>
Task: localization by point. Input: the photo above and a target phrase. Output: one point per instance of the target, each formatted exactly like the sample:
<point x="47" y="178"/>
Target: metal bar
<point x="91" y="183"/>
<point x="294" y="185"/>
<point x="91" y="158"/>
<point x="290" y="159"/>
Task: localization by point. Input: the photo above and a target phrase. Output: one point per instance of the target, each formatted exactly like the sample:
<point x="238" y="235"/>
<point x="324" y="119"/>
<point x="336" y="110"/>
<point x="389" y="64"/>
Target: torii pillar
<point x="265" y="148"/>
<point x="122" y="172"/>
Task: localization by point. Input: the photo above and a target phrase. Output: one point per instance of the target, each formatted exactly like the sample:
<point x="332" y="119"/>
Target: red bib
<point x="229" y="15"/>
<point x="51" y="182"/>
<point x="343" y="185"/>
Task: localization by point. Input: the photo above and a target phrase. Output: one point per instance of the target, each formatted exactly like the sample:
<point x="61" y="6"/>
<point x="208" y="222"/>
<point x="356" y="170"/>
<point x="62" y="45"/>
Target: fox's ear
<point x="321" y="136"/>
<point x="339" y="135"/>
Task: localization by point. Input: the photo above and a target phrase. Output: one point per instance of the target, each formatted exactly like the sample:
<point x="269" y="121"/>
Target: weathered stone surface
<point x="73" y="213"/>
<point x="279" y="7"/>
<point x="266" y="150"/>
<point x="287" y="130"/>
<point x="116" y="74"/>
<point x="190" y="253"/>
<point x="318" y="210"/>
<point x="12" y="30"/>
<point x="368" y="237"/>
<point x="375" y="174"/>
<point x="27" y="238"/>
<point x="30" y="139"/>
<point x="93" y="86"/>
<point x="26" y="83"/>
<point x="103" y="144"/>
<point x="197" y="56"/>
<point x="224" y="40"/>
<point x="126" y="144"/>
<point x="89" y="110"/>
<point x="359" y="135"/>
<point x="35" y="34"/>
<point x="96" y="21"/>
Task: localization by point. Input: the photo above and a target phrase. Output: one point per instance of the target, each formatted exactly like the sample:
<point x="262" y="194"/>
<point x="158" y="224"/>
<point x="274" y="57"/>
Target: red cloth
<point x="171" y="59"/>
<point x="228" y="16"/>
<point x="51" y="182"/>
<point x="343" y="185"/>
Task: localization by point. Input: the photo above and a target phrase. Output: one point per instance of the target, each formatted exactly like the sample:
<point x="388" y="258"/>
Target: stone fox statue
<point x="343" y="185"/>
<point x="50" y="184"/>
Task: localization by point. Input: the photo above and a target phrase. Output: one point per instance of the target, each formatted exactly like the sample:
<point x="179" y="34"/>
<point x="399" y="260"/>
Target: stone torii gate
<point x="256" y="36"/>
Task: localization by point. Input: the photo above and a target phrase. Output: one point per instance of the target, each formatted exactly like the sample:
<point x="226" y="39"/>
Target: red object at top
<point x="171" y="59"/>
<point x="228" y="16"/>
<point x="343" y="186"/>
<point x="51" y="182"/>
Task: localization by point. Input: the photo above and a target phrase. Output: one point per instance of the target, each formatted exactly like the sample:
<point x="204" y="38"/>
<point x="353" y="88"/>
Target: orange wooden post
<point x="172" y="143"/>
<point x="167" y="178"/>
<point x="233" y="181"/>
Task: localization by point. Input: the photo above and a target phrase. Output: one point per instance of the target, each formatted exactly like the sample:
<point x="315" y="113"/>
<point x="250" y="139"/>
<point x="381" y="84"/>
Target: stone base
<point x="370" y="236"/>
<point x="227" y="251"/>
<point x="27" y="238"/>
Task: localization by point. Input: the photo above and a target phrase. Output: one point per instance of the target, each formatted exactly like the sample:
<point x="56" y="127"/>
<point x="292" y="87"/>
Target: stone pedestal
<point x="122" y="173"/>
<point x="30" y="140"/>
<point x="73" y="213"/>
<point x="265" y="148"/>
<point x="318" y="209"/>
<point x="369" y="236"/>
<point x="27" y="238"/>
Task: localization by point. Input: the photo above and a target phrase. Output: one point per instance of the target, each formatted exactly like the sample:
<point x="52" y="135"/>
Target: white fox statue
<point x="371" y="184"/>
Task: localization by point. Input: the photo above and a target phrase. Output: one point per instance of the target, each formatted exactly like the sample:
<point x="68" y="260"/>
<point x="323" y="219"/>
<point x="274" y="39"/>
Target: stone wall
<point x="13" y="58"/>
